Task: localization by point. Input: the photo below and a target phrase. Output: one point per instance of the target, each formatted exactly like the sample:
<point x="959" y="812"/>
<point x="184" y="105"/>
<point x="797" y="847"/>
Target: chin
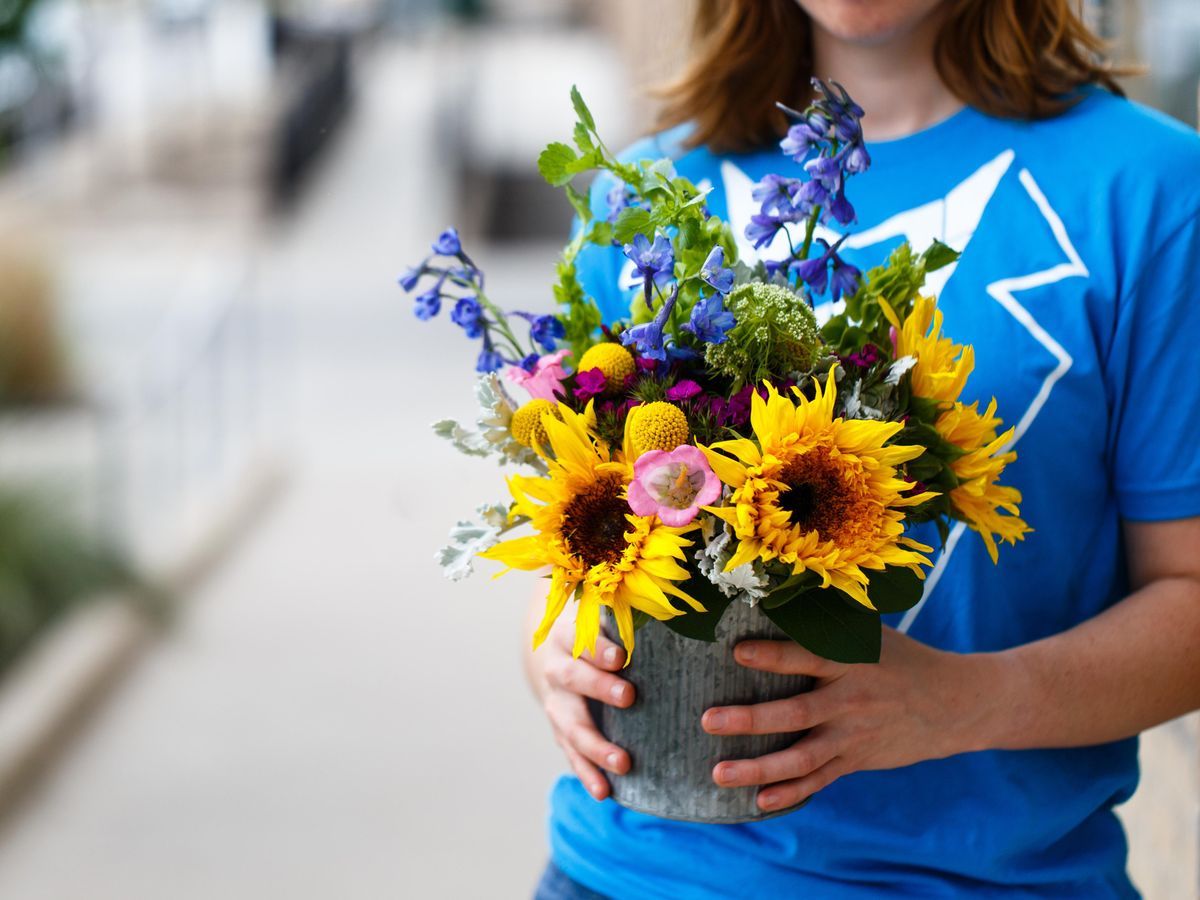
<point x="868" y="22"/>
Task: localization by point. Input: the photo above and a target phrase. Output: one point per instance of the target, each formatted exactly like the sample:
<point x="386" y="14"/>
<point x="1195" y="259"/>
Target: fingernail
<point x="595" y="789"/>
<point x="727" y="773"/>
<point x="716" y="721"/>
<point x="613" y="759"/>
<point x="768" y="800"/>
<point x="618" y="692"/>
<point x="747" y="651"/>
<point x="610" y="655"/>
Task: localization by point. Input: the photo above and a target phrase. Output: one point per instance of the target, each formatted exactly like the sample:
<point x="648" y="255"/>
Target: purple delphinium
<point x="655" y="262"/>
<point x="813" y="271"/>
<point x="648" y="337"/>
<point x="411" y="276"/>
<point x="468" y="315"/>
<point x="713" y="271"/>
<point x="448" y="243"/>
<point x="427" y="305"/>
<point x="489" y="361"/>
<point x="844" y="280"/>
<point x="710" y="320"/>
<point x="546" y="331"/>
<point x="762" y="229"/>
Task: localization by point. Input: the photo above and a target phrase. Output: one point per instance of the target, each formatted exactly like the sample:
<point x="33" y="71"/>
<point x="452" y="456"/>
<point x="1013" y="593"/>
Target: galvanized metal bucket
<point x="677" y="679"/>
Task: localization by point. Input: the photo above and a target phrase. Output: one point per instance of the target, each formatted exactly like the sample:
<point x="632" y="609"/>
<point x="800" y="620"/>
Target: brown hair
<point x="1019" y="59"/>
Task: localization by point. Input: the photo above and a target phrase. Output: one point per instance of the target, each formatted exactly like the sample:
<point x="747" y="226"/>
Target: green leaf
<point x="583" y="139"/>
<point x="938" y="255"/>
<point x="701" y="626"/>
<point x="895" y="589"/>
<point x="555" y="163"/>
<point x="581" y="110"/>
<point x="579" y="200"/>
<point x="601" y="233"/>
<point x="831" y="625"/>
<point x="632" y="221"/>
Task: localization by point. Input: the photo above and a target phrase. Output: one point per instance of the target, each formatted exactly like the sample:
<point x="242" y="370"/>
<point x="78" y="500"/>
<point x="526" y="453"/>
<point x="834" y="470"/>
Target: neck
<point x="894" y="80"/>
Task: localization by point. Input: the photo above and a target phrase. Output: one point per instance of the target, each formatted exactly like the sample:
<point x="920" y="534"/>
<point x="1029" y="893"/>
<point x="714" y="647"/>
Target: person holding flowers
<point x="984" y="753"/>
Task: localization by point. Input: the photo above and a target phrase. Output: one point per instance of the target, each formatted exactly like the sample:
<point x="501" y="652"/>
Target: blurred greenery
<point x="48" y="564"/>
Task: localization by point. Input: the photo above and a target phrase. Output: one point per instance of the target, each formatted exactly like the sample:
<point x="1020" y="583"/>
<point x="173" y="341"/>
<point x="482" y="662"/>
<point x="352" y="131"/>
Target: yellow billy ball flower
<point x="657" y="426"/>
<point x="611" y="359"/>
<point x="527" y="427"/>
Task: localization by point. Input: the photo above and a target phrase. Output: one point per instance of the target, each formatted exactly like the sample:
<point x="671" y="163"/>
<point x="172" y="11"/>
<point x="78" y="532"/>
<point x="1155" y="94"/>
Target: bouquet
<point x="721" y="444"/>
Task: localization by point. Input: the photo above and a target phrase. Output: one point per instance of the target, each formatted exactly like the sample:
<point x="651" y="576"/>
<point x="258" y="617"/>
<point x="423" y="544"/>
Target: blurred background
<point x="228" y="665"/>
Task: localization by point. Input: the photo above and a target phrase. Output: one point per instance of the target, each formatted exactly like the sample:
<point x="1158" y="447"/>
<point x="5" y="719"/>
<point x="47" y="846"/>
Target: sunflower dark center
<point x="815" y="496"/>
<point x="594" y="523"/>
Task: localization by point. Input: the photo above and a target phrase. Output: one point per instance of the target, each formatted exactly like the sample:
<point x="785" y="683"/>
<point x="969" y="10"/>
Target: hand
<point x="562" y="682"/>
<point x="917" y="703"/>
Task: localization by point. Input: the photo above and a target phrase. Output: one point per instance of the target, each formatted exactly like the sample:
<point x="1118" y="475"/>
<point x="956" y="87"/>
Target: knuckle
<point x="797" y="713"/>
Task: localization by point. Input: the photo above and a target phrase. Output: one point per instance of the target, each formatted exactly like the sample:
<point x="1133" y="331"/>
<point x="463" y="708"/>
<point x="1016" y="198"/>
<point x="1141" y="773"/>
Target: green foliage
<point x="675" y="207"/>
<point x="700" y="626"/>
<point x="46" y="566"/>
<point x="899" y="282"/>
<point x="895" y="589"/>
<point x="775" y="335"/>
<point x="830" y="624"/>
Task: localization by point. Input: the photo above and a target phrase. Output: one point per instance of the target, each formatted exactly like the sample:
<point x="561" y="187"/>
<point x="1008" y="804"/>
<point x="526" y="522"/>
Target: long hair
<point x="1019" y="59"/>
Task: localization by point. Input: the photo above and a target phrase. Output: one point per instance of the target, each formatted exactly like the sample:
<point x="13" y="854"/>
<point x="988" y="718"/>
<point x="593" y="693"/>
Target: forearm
<point x="1134" y="666"/>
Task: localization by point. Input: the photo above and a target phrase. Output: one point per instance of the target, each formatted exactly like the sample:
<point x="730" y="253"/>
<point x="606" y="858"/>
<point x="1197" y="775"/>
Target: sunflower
<point x="978" y="499"/>
<point x="597" y="550"/>
<point x="940" y="374"/>
<point x="942" y="366"/>
<point x="818" y="493"/>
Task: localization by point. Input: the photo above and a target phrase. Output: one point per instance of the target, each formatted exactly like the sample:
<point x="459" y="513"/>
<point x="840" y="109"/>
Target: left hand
<point x="916" y="703"/>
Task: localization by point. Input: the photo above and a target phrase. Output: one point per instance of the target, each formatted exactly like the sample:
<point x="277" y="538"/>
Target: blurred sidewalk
<point x="329" y="718"/>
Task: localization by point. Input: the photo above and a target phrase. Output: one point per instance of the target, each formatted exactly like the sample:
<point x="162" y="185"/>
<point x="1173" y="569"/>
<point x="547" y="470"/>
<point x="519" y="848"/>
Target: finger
<point x="797" y="761"/>
<point x="790" y="793"/>
<point x="578" y="676"/>
<point x="593" y="781"/>
<point x="608" y="655"/>
<point x="774" y="717"/>
<point x="785" y="658"/>
<point x="574" y="725"/>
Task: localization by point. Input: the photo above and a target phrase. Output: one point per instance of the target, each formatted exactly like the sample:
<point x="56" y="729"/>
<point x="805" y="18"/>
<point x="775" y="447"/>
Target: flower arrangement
<point x="721" y="445"/>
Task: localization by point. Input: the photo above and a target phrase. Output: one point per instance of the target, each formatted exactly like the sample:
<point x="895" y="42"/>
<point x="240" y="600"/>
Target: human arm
<point x="1131" y="667"/>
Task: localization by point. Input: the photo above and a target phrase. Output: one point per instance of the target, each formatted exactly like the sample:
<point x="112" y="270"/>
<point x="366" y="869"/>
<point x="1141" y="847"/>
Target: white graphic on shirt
<point x="952" y="219"/>
<point x="1002" y="292"/>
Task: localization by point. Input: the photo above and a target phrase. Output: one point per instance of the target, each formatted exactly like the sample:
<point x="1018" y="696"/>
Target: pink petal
<point x="640" y="500"/>
<point x="677" y="518"/>
<point x="649" y="461"/>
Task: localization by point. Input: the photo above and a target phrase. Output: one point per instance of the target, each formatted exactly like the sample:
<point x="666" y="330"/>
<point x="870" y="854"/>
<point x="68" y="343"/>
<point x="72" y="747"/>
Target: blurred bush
<point x="47" y="565"/>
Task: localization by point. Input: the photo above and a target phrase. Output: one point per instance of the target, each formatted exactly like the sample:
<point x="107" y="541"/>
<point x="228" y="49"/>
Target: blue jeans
<point x="557" y="886"/>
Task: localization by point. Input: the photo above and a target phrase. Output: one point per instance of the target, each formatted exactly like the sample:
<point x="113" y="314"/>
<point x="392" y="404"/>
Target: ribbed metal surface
<point x="677" y="679"/>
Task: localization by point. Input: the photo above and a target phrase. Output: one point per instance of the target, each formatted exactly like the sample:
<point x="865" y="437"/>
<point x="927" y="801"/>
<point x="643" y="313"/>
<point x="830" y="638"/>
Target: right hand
<point x="562" y="682"/>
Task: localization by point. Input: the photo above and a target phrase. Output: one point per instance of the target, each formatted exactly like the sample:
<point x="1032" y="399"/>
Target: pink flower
<point x="590" y="383"/>
<point x="545" y="381"/>
<point x="684" y="390"/>
<point x="672" y="485"/>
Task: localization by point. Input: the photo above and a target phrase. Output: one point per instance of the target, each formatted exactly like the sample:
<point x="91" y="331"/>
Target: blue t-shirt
<point x="1078" y="287"/>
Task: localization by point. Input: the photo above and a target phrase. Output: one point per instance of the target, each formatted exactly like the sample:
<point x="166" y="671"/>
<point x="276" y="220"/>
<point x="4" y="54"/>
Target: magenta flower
<point x="672" y="486"/>
<point x="590" y="383"/>
<point x="684" y="390"/>
<point x="545" y="381"/>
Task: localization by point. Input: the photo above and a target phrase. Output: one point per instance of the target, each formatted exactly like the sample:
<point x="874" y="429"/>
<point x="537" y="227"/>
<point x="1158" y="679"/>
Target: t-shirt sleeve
<point x="1153" y="380"/>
